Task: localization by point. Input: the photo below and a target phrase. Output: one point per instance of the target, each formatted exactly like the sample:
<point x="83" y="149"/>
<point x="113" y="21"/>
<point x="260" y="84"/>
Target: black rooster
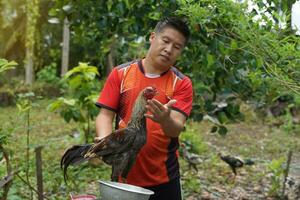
<point x="120" y="148"/>
<point x="235" y="162"/>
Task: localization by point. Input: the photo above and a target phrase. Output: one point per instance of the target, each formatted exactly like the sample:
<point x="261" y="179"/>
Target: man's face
<point x="165" y="47"/>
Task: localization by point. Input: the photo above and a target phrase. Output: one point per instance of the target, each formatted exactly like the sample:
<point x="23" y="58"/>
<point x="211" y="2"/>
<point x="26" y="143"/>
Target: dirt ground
<point x="262" y="143"/>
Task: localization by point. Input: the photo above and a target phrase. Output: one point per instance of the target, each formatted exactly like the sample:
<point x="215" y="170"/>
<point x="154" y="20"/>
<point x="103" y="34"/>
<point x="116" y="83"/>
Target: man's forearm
<point x="103" y="123"/>
<point x="102" y="128"/>
<point x="172" y="127"/>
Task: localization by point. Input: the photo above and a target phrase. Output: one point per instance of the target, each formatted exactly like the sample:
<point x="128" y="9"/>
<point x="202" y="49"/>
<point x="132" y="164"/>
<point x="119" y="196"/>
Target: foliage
<point x="279" y="10"/>
<point x="192" y="186"/>
<point x="290" y="123"/>
<point x="84" y="89"/>
<point x="14" y="35"/>
<point x="277" y="169"/>
<point x="117" y="27"/>
<point x="48" y="74"/>
<point x="25" y="104"/>
<point x="231" y="57"/>
<point x="193" y="142"/>
<point x="32" y="8"/>
<point x="230" y="54"/>
<point x="5" y="65"/>
<point x="5" y="133"/>
<point x="52" y="133"/>
<point x="50" y="130"/>
<point x="12" y="24"/>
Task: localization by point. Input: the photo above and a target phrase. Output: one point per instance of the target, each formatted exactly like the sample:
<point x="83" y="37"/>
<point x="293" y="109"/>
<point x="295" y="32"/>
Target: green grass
<point x="50" y="131"/>
<point x="250" y="139"/>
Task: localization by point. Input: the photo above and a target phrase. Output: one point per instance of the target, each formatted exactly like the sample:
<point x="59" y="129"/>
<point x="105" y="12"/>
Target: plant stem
<point x="30" y="187"/>
<point x="88" y="131"/>
<point x="286" y="172"/>
<point x="27" y="151"/>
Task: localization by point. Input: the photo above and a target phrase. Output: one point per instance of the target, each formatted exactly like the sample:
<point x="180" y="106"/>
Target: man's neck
<point x="150" y="68"/>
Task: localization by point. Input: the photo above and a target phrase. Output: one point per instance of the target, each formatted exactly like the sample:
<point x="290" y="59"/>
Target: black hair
<point x="176" y="23"/>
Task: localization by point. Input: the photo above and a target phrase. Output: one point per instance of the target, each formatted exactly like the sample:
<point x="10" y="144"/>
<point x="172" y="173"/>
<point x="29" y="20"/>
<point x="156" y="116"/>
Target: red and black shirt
<point x="157" y="162"/>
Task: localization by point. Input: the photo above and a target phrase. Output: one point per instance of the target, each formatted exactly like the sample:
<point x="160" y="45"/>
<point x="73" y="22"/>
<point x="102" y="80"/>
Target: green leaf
<point x="222" y="117"/>
<point x="234" y="44"/>
<point x="54" y="106"/>
<point x="210" y="59"/>
<point x="53" y="12"/>
<point x="91" y="98"/>
<point x="67" y="115"/>
<point x="259" y="62"/>
<point x="69" y="102"/>
<point x="109" y="4"/>
<point x="5" y="65"/>
<point x="222" y="130"/>
<point x="75" y="82"/>
<point x="214" y="129"/>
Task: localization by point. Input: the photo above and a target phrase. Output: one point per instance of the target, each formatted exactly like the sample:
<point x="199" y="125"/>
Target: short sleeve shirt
<point x="157" y="161"/>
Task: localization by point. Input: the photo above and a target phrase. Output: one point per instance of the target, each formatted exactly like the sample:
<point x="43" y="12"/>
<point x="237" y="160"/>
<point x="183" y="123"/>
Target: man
<point x="156" y="167"/>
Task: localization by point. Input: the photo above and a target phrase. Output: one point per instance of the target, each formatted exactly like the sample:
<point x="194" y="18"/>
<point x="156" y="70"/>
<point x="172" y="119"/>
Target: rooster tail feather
<point x="72" y="156"/>
<point x="95" y="150"/>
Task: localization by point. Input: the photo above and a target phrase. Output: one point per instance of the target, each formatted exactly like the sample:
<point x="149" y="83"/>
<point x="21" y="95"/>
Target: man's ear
<point x="152" y="36"/>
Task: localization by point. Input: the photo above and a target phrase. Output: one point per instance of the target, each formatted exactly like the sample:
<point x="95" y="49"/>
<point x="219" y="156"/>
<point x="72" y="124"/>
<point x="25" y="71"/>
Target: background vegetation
<point x="244" y="65"/>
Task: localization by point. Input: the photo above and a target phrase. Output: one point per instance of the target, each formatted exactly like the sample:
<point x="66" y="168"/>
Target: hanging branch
<point x="27" y="150"/>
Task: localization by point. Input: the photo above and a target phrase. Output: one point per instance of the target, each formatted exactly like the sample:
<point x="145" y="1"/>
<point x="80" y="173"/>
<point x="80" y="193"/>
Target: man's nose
<point x="168" y="48"/>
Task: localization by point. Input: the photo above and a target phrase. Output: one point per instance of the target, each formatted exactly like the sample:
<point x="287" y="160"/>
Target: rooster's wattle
<point x="120" y="148"/>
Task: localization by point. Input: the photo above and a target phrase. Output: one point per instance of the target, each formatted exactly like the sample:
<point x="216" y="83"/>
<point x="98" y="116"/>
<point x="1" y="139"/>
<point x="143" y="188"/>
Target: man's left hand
<point x="159" y="112"/>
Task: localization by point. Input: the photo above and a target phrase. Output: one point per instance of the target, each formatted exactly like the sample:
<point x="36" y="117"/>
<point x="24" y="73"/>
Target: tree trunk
<point x="110" y="62"/>
<point x="65" y="47"/>
<point x="29" y="72"/>
<point x="32" y="14"/>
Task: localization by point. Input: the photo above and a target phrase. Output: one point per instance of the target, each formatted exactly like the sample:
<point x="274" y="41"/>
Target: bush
<point x="48" y="74"/>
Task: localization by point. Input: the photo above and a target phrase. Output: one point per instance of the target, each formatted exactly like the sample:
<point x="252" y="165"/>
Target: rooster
<point x="235" y="162"/>
<point x="192" y="158"/>
<point x="120" y="148"/>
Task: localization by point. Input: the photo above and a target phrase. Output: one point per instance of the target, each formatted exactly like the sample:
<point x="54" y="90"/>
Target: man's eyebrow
<point x="166" y="37"/>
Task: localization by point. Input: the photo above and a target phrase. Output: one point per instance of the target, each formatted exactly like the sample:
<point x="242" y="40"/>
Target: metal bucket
<point x="121" y="191"/>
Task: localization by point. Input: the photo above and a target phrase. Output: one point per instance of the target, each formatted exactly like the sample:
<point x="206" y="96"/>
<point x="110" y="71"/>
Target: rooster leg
<point x="190" y="166"/>
<point x="124" y="180"/>
<point x="195" y="167"/>
<point x="234" y="172"/>
<point x="116" y="172"/>
<point x="118" y="166"/>
<point x="234" y="177"/>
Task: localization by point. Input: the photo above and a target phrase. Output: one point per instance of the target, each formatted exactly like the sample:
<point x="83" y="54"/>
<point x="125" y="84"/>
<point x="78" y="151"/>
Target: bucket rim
<point x="122" y="186"/>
